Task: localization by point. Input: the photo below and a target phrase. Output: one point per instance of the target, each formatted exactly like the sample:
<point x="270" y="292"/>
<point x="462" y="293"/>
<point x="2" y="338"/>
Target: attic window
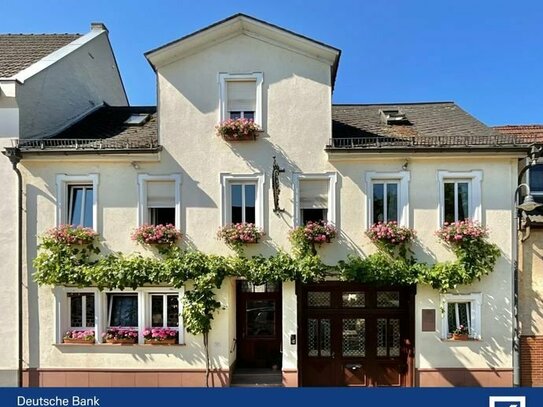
<point x="393" y="116"/>
<point x="137" y="119"/>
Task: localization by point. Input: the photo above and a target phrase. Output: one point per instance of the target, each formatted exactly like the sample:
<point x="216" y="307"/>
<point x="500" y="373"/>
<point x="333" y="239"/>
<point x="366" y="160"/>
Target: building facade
<point x="419" y="164"/>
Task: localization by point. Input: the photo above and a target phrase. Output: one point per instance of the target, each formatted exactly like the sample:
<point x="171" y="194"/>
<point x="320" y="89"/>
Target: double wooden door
<point x="355" y="335"/>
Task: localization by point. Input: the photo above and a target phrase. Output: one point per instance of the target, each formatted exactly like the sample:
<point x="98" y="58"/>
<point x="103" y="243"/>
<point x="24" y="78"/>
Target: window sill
<point x="115" y="345"/>
<point x="460" y="340"/>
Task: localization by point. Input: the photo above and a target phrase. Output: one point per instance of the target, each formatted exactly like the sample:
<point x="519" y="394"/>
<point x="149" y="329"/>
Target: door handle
<point x="333" y="355"/>
<point x="353" y="366"/>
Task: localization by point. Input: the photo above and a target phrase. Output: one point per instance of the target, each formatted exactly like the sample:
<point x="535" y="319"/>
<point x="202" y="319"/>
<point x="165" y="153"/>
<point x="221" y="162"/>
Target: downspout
<point x="14" y="156"/>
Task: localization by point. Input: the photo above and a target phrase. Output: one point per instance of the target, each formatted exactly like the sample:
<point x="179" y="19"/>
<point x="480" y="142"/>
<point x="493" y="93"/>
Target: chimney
<point x="98" y="27"/>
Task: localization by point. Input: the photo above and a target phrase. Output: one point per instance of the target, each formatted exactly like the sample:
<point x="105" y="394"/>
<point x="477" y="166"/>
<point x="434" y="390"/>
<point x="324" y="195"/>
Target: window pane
<point x="250" y="203"/>
<point x="90" y="309"/>
<point x="354" y="337"/>
<point x="236" y="204"/>
<point x="319" y="299"/>
<point x="536" y="178"/>
<point x="392" y="202"/>
<point x="173" y="311"/>
<point x="313" y="215"/>
<point x="87" y="219"/>
<point x="449" y="202"/>
<point x="354" y="299"/>
<point x="157" y="313"/>
<point x="162" y="216"/>
<point x="249" y="115"/>
<point x="76" y="311"/>
<point x="312" y="337"/>
<point x="463" y="201"/>
<point x="378" y="203"/>
<point x="260" y="317"/>
<point x="123" y="310"/>
<point x="76" y="204"/>
<point x="325" y="337"/>
<point x="235" y="115"/>
<point x="458" y="313"/>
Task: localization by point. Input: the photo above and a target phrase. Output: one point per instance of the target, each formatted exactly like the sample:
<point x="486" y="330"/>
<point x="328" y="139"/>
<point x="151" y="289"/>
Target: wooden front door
<point x="355" y="335"/>
<point x="258" y="325"/>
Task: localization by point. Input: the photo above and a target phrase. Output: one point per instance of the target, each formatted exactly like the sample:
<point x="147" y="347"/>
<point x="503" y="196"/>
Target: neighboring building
<point x="47" y="82"/>
<point x="530" y="261"/>
<point x="137" y="165"/>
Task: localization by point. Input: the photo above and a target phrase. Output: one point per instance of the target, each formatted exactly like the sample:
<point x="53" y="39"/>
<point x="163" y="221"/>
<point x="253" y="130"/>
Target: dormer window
<point x="241" y="96"/>
<point x="393" y="116"/>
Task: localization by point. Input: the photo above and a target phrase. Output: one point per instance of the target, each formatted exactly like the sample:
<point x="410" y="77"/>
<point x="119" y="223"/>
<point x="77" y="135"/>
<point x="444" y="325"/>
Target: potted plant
<point x="306" y="237"/>
<point x="390" y="236"/>
<point x="120" y="336"/>
<point x="79" y="336"/>
<point x="239" y="234"/>
<point x="237" y="129"/>
<point x="461" y="333"/>
<point x="69" y="235"/>
<point x="156" y="234"/>
<point x="160" y="336"/>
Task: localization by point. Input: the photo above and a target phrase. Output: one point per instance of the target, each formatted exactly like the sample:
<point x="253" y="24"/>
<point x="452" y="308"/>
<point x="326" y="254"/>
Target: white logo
<point x="507" y="401"/>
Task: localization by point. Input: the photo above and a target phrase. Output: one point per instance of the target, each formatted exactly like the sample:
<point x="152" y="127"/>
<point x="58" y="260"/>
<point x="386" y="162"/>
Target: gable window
<point x="387" y="197"/>
<point x="159" y="199"/>
<point x="77" y="200"/>
<point x="81" y="310"/>
<point x="461" y="309"/>
<point x="314" y="198"/>
<point x="460" y="196"/>
<point x="242" y="199"/>
<point x="241" y="96"/>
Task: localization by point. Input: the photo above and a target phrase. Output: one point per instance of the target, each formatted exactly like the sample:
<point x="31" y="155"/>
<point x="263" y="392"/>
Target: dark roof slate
<point x="19" y="51"/>
<point x="107" y="123"/>
<point x="432" y="119"/>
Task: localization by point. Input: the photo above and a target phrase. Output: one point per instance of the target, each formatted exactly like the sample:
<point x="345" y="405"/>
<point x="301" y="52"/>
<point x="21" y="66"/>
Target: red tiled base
<point x="458" y="377"/>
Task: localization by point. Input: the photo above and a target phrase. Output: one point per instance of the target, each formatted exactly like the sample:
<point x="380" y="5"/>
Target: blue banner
<point x="276" y="397"/>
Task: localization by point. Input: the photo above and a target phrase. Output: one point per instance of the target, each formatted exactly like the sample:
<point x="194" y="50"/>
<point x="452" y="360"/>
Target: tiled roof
<point x="19" y="51"/>
<point x="102" y="130"/>
<point x="436" y="119"/>
<point x="523" y="130"/>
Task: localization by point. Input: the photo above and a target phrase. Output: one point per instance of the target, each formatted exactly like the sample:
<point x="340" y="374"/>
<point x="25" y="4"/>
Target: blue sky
<point x="485" y="55"/>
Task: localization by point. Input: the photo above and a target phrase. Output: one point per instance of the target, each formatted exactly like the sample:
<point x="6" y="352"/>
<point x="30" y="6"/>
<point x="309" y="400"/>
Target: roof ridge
<point x="395" y="104"/>
<point x="38" y="34"/>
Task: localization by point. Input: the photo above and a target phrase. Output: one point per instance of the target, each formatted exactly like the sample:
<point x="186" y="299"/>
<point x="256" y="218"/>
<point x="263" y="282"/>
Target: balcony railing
<point x="500" y="140"/>
<point x="83" y="144"/>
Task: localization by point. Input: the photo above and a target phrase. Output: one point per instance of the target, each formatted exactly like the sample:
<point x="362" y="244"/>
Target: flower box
<point x="170" y="341"/>
<point x="460" y="337"/>
<point x="70" y="235"/>
<point x="238" y="234"/>
<point x="237" y="129"/>
<point x="123" y="341"/>
<point x="79" y="341"/>
<point x="156" y="235"/>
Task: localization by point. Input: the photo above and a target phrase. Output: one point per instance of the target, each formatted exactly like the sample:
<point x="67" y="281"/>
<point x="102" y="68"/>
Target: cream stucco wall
<point x="297" y="126"/>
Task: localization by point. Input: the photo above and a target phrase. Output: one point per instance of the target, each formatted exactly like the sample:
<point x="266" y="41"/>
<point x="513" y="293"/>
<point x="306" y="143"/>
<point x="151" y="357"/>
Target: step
<point x="256" y="378"/>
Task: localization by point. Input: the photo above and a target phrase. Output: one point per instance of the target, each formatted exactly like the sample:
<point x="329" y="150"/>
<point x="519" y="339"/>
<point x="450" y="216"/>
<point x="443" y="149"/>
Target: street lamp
<point x="528" y="205"/>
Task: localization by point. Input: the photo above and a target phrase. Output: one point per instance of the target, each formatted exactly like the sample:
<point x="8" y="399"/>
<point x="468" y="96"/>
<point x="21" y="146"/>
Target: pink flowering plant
<point x="461" y="330"/>
<point x="237" y="129"/>
<point x="120" y="333"/>
<point x="304" y="238"/>
<point x="391" y="237"/>
<point x="84" y="335"/>
<point x="462" y="233"/>
<point x="159" y="334"/>
<point x="156" y="234"/>
<point x="69" y="235"/>
<point x="236" y="235"/>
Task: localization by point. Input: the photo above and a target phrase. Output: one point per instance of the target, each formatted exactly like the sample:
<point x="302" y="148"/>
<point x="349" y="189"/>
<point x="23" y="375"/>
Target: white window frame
<point x="62" y="314"/>
<point x="143" y="210"/>
<point x="476" y="300"/>
<point x="474" y="179"/>
<point x="331" y="177"/>
<point x="224" y="78"/>
<point x="402" y="178"/>
<point x="226" y="180"/>
<point x="63" y="181"/>
<point x="148" y="292"/>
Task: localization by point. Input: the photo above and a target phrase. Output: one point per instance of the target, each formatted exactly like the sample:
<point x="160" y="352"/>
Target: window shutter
<point x="160" y="194"/>
<point x="241" y="96"/>
<point x="314" y="194"/>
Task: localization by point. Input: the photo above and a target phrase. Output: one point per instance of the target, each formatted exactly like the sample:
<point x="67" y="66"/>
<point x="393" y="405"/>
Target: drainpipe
<point x="14" y="156"/>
